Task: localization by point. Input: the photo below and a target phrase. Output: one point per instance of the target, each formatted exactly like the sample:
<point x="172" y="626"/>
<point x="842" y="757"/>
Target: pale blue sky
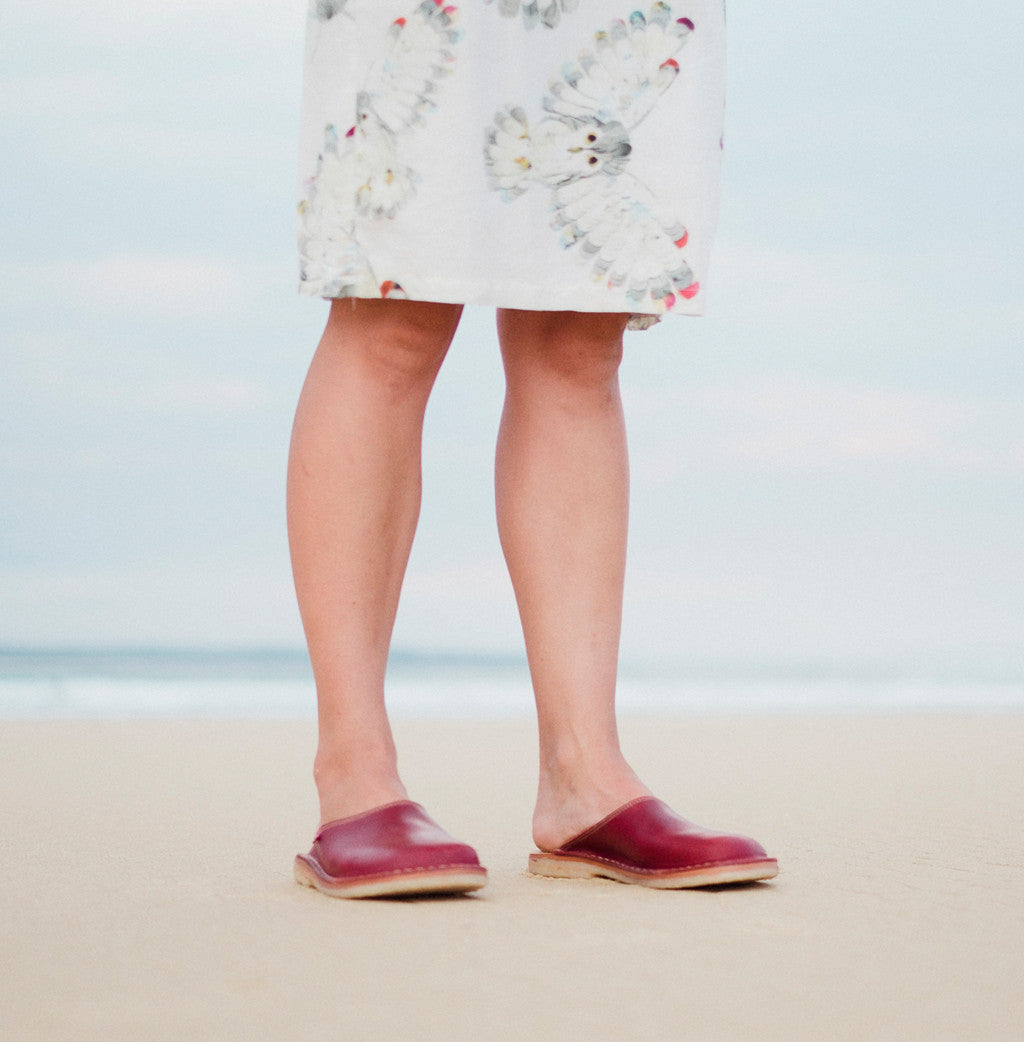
<point x="828" y="469"/>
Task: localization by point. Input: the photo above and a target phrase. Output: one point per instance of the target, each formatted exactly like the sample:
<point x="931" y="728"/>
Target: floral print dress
<point x="555" y="155"/>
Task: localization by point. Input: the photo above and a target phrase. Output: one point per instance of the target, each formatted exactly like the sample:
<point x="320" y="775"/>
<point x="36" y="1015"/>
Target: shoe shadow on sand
<point x="411" y="899"/>
<point x="722" y="888"/>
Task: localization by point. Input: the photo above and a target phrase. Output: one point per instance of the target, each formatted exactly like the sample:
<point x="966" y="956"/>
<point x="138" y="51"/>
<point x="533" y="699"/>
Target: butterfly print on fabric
<point x="546" y="12"/>
<point x="580" y="151"/>
<point x="359" y="173"/>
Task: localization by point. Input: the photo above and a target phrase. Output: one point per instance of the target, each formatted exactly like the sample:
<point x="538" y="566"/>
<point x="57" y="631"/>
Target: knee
<point x="579" y="350"/>
<point x="399" y="343"/>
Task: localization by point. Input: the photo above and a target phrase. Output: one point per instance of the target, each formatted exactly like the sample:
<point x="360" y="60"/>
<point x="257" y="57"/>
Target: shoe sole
<point x="561" y="866"/>
<point x="449" y="879"/>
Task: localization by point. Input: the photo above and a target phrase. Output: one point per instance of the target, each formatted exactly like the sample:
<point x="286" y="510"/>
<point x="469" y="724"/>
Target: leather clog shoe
<point x="647" y="843"/>
<point x="391" y="850"/>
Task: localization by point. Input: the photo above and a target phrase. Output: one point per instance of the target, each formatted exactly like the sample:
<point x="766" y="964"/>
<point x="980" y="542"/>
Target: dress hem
<point x="525" y="299"/>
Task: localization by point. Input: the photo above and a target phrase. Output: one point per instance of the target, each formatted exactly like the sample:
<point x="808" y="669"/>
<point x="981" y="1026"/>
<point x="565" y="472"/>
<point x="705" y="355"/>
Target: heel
<point x="557" y="867"/>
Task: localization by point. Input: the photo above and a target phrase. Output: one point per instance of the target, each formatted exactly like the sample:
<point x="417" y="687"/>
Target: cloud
<point x="758" y="282"/>
<point x="812" y="423"/>
<point x="80" y="383"/>
<point x="804" y="424"/>
<point x="113" y="90"/>
<point x="172" y="285"/>
<point x="28" y="98"/>
<point x="154" y="284"/>
<point x="154" y="23"/>
<point x="177" y="602"/>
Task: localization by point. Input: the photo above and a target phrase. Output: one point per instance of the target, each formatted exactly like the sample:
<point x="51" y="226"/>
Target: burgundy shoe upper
<point x="647" y="834"/>
<point x="398" y="837"/>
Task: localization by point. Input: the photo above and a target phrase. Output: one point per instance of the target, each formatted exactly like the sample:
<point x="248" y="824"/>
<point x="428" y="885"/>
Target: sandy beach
<point x="148" y="890"/>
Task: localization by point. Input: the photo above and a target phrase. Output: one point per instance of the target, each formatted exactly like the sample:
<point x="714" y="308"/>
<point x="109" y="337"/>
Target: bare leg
<point x="562" y="488"/>
<point x="353" y="502"/>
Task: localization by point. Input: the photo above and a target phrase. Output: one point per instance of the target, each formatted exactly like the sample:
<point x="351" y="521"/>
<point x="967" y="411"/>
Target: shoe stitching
<point x="625" y="866"/>
<point x="324" y="874"/>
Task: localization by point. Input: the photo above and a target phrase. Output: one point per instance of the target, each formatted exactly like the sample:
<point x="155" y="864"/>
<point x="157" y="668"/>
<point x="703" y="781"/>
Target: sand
<point x="148" y="890"/>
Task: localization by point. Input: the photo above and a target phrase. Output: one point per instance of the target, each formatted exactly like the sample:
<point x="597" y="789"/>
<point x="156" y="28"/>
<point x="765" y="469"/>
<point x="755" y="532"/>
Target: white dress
<point x="553" y="155"/>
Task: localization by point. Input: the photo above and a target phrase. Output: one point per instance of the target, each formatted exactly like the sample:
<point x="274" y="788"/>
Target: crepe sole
<point x="449" y="879"/>
<point x="563" y="866"/>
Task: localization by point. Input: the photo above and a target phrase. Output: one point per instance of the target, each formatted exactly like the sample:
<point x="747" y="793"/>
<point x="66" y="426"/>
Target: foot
<point x="646" y="843"/>
<point x="397" y="849"/>
<point x="573" y="796"/>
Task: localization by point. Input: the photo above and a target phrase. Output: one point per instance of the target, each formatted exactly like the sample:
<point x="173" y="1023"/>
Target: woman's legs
<point x="562" y="489"/>
<point x="353" y="501"/>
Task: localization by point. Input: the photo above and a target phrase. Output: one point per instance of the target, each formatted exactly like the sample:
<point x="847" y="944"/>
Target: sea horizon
<point x="262" y="682"/>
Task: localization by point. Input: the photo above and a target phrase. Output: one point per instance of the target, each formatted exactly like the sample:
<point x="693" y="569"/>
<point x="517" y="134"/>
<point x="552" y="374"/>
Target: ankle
<point x="345" y="787"/>
<point x="578" y="764"/>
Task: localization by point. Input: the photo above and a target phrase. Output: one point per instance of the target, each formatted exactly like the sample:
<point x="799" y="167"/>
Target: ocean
<point x="262" y="684"/>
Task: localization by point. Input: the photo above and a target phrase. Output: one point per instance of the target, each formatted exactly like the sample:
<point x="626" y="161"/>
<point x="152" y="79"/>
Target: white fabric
<point x="535" y="154"/>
